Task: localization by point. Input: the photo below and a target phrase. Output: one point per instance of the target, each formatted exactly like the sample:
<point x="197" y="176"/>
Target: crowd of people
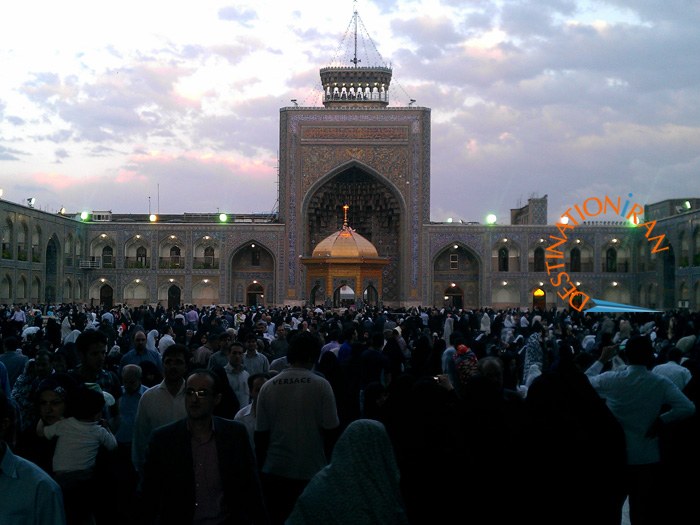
<point x="237" y="414"/>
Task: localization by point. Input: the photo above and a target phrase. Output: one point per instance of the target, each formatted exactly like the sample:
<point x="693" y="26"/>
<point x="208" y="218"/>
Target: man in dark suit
<point x="201" y="469"/>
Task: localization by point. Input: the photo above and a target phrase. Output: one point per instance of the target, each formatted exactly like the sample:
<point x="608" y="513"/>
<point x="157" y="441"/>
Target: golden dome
<point x="345" y="243"/>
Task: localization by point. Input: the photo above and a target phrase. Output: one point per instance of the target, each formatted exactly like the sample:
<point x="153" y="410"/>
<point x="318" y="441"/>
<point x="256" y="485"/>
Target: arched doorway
<point x="251" y="263"/>
<point x="343" y="296"/>
<point x="539" y="300"/>
<point x="106" y="296"/>
<point x="375" y="212"/>
<point x="370" y="296"/>
<point x="51" y="270"/>
<point x="173" y="296"/>
<point x="317" y="296"/>
<point x="454" y="297"/>
<point x="255" y="295"/>
<point x="456" y="276"/>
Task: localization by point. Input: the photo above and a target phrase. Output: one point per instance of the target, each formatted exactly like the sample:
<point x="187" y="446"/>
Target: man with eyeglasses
<point x="161" y="404"/>
<point x="201" y="469"/>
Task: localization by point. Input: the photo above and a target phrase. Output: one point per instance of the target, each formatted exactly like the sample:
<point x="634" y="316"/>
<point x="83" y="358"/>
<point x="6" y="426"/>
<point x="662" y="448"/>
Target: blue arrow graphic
<point x="610" y="307"/>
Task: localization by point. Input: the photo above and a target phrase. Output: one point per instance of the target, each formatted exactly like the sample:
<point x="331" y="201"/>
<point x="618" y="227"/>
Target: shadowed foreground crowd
<point x="220" y="415"/>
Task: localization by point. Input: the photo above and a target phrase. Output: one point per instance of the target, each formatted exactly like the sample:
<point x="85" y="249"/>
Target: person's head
<point x="87" y="404"/>
<point x="280" y="332"/>
<point x="377" y="340"/>
<point x="174" y="363"/>
<point x="92" y="347"/>
<point x="251" y="343"/>
<point x="131" y="378"/>
<point x="202" y="394"/>
<point x="235" y="356"/>
<point x="213" y="341"/>
<point x="304" y="349"/>
<point x="52" y="396"/>
<point x="491" y="369"/>
<point x="255" y="383"/>
<point x="639" y="351"/>
<point x="43" y="364"/>
<point x="140" y="341"/>
<point x="10" y="344"/>
<point x="150" y="374"/>
<point x="59" y="361"/>
<point x="224" y="340"/>
<point x="537" y="326"/>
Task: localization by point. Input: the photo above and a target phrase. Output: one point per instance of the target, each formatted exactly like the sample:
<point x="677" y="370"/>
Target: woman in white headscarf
<point x="448" y="328"/>
<point x="71" y="337"/>
<point x="66" y="327"/>
<point x="151" y="339"/>
<point x="359" y="486"/>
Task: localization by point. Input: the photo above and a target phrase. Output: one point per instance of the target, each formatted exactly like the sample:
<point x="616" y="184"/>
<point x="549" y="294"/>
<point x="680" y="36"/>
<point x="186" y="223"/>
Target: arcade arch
<point x="376" y="211"/>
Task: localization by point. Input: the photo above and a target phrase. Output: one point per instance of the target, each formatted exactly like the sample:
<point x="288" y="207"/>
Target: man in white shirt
<point x="254" y="361"/>
<point x="673" y="370"/>
<point x="247" y="414"/>
<point x="636" y="397"/>
<point x="160" y="404"/>
<point x="167" y="339"/>
<point x="237" y="375"/>
<point x="296" y="426"/>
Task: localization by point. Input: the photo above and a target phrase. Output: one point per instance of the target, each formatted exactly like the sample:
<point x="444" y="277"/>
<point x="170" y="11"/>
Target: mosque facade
<point x="353" y="163"/>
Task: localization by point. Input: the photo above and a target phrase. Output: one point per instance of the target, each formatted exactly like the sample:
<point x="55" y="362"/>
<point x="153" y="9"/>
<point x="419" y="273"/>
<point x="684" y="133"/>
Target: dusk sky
<point x="105" y="104"/>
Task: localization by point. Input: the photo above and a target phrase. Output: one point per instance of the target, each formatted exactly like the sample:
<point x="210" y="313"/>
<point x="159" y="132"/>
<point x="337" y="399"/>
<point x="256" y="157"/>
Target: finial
<point x="345" y="212"/>
<point x="355" y="60"/>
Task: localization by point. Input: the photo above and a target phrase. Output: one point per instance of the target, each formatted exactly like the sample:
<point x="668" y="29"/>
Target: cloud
<point x="561" y="97"/>
<point x="10" y="153"/>
<point x="60" y="154"/>
<point x="236" y="14"/>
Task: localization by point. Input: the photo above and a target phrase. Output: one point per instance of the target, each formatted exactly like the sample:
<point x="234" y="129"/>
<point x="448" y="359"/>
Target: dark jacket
<point x="168" y="495"/>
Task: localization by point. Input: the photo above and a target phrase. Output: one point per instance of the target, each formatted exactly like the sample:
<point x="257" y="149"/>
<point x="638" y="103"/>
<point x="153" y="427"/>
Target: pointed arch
<point x="206" y="253"/>
<point x="22" y="288"/>
<point x="538" y="259"/>
<point x="456" y="266"/>
<point x="370" y="295"/>
<point x="22" y="241"/>
<point x="36" y="244"/>
<point x="6" y="295"/>
<point x="52" y="262"/>
<point x="36" y="290"/>
<point x="8" y="247"/>
<point x="611" y="259"/>
<point x="244" y="272"/>
<point x="378" y="212"/>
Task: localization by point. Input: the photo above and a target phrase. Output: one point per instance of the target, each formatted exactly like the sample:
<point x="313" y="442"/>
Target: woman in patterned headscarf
<point x="359" y="486"/>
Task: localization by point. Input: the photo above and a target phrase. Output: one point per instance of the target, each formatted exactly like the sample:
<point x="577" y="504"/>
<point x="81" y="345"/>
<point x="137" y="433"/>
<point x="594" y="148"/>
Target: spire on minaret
<point x="355" y="60"/>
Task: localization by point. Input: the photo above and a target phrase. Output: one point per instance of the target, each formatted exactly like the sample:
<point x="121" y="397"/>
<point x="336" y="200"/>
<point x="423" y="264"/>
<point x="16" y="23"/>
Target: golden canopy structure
<point x="340" y="265"/>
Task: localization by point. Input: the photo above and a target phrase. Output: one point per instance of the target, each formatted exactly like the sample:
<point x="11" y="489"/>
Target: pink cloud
<point x="57" y="181"/>
<point x="127" y="176"/>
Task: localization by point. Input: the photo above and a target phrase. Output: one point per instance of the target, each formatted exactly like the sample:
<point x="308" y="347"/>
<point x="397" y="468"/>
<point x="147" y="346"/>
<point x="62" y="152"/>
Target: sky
<point x="173" y="107"/>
